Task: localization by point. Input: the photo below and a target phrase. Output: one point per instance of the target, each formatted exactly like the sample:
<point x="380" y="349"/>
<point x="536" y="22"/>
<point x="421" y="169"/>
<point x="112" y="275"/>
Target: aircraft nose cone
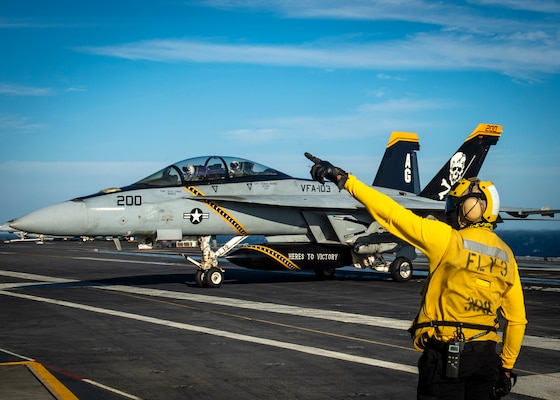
<point x="65" y="219"/>
<point x="6" y="228"/>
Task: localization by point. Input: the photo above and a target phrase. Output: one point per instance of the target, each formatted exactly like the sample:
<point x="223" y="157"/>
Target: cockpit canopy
<point x="211" y="169"/>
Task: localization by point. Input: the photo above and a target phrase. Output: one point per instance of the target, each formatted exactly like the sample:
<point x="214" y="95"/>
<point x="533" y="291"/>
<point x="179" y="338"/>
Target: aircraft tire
<point x="324" y="274"/>
<point x="401" y="269"/>
<point x="214" y="277"/>
<point x="199" y="278"/>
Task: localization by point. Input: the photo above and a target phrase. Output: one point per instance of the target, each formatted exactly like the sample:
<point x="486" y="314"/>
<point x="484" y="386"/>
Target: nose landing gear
<point x="209" y="274"/>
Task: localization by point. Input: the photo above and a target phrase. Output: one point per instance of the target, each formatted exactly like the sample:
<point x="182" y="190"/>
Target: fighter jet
<point x="307" y="225"/>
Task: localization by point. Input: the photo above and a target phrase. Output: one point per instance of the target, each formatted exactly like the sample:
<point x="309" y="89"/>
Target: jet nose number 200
<point x="129" y="200"/>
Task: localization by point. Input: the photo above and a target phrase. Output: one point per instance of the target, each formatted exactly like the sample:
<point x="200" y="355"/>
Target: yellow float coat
<point x="472" y="274"/>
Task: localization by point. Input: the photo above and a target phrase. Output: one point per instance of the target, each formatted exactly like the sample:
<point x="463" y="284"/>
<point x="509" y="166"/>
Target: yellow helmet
<point x="473" y="200"/>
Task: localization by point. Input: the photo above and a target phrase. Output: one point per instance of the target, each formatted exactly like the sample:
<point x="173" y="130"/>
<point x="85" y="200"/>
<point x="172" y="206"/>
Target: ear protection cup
<point x="474" y="200"/>
<point x="472" y="209"/>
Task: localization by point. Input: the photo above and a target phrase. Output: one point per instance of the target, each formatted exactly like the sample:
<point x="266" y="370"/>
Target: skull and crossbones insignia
<point x="456" y="172"/>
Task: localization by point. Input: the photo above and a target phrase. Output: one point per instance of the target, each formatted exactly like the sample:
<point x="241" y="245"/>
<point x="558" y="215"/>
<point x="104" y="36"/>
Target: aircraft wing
<point x="523" y="213"/>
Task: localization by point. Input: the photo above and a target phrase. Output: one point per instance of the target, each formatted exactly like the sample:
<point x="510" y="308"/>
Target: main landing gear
<point x="209" y="273"/>
<point x="401" y="269"/>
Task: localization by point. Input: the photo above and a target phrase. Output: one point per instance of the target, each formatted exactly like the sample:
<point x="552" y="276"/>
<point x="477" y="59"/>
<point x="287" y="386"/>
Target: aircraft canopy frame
<point x="211" y="169"/>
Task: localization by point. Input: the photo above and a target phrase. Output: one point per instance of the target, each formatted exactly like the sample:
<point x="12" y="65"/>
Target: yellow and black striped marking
<point x="194" y="191"/>
<point x="219" y="210"/>
<point x="275" y="255"/>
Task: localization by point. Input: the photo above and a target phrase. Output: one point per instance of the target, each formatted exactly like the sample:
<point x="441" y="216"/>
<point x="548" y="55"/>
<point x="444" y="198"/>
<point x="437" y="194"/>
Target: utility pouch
<point x="454" y="349"/>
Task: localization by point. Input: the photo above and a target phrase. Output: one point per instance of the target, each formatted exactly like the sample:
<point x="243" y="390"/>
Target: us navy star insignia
<point x="196" y="216"/>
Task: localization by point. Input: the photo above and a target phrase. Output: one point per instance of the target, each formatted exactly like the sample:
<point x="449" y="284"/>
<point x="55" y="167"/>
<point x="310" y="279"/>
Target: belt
<point x="455" y="324"/>
<point x="468" y="347"/>
<point x="485" y="329"/>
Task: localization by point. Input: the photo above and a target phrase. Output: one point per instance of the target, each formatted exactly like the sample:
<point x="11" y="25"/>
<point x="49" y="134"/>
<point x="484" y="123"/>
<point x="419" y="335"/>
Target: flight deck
<point x="104" y="324"/>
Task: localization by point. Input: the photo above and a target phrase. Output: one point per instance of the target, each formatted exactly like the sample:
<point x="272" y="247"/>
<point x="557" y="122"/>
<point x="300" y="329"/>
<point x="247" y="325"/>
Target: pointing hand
<point x="324" y="169"/>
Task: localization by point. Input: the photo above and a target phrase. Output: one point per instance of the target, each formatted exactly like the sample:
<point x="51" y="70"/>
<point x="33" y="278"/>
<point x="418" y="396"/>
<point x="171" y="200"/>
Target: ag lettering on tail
<point x="399" y="167"/>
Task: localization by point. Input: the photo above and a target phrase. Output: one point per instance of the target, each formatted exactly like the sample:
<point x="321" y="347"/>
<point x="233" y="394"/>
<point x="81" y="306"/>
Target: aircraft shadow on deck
<point x="239" y="276"/>
<point x="236" y="276"/>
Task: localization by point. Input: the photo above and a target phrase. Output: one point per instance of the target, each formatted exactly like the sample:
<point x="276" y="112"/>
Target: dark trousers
<point x="478" y="372"/>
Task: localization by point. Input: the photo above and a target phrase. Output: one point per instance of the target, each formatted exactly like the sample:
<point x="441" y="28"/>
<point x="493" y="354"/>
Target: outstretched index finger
<point x="311" y="157"/>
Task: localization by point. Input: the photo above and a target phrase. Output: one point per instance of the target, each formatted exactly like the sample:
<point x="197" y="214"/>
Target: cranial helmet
<point x="472" y="200"/>
<point x="188" y="169"/>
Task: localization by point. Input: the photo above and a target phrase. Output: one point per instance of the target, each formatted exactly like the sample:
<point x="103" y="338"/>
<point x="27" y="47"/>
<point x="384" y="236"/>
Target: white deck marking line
<point x="120" y="260"/>
<point x="16" y="355"/>
<point x="338" y="316"/>
<point x="35" y="277"/>
<point x="230" y="335"/>
<point x="112" y="390"/>
<point x="544" y="387"/>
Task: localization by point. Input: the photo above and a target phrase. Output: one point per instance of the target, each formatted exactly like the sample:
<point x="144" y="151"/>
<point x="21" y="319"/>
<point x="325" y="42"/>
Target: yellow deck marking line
<point x="53" y="385"/>
<point x="89" y="381"/>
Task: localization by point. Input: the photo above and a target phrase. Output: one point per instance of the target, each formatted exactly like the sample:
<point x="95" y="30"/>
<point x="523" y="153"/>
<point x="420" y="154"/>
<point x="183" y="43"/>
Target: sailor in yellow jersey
<point x="472" y="277"/>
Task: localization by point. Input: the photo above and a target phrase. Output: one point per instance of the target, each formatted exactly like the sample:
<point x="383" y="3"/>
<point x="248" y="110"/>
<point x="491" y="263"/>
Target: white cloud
<point x="545" y="6"/>
<point x="442" y="51"/>
<point x="75" y="89"/>
<point x="390" y="77"/>
<point x="15" y="123"/>
<point x="449" y="37"/>
<point x="473" y="17"/>
<point x="21" y="90"/>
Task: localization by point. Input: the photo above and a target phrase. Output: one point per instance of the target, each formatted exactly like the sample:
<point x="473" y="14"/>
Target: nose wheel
<point x="213" y="278"/>
<point x="209" y="274"/>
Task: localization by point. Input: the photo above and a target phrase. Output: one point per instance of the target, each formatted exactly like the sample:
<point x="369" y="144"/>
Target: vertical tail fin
<point x="465" y="163"/>
<point x="399" y="166"/>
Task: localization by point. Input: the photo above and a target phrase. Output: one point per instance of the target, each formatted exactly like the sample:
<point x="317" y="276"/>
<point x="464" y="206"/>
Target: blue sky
<point x="99" y="94"/>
